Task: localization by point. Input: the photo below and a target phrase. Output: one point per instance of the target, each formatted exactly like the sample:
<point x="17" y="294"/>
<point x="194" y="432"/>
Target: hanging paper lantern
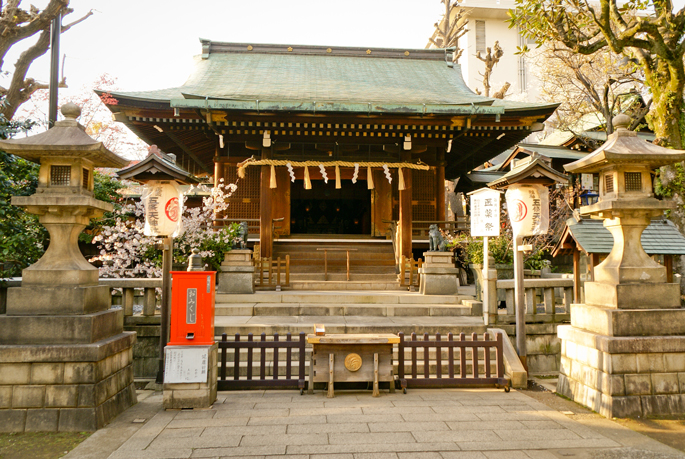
<point x="307" y="181"/>
<point x="163" y="208"/>
<point x="369" y="178"/>
<point x="528" y="207"/>
<point x="323" y="173"/>
<point x="356" y="173"/>
<point x="400" y="180"/>
<point x="387" y="173"/>
<point x="337" y="177"/>
<point x="291" y="172"/>
<point x="272" y="183"/>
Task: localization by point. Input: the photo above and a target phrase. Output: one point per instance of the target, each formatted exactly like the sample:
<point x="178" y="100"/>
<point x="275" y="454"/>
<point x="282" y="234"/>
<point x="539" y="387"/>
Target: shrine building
<point x="352" y="143"/>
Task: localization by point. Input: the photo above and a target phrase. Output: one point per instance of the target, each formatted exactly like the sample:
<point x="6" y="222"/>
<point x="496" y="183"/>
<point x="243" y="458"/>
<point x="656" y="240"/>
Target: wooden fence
<point x="409" y="377"/>
<point x="269" y="272"/>
<point x="248" y="382"/>
<point x="409" y="271"/>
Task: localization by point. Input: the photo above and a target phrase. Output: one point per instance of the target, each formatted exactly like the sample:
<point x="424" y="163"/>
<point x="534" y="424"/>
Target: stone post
<point x="490" y="292"/>
<point x="237" y="272"/>
<point x="438" y="274"/>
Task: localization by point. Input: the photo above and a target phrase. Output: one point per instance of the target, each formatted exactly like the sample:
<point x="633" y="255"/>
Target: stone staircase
<point x="372" y="263"/>
<point x="344" y="312"/>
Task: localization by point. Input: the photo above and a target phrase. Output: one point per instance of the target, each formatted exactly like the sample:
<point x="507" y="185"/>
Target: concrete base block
<point x="194" y="395"/>
<point x="78" y="387"/>
<point x="628" y="322"/>
<point x="439" y="281"/>
<point x="60" y="329"/>
<point x="235" y="279"/>
<point x="621" y="376"/>
<point x="633" y="296"/>
<point x="57" y="300"/>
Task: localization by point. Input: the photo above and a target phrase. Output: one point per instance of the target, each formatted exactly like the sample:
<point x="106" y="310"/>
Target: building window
<point x="522" y="64"/>
<point x="86" y="177"/>
<point x="60" y="175"/>
<point x="480" y="36"/>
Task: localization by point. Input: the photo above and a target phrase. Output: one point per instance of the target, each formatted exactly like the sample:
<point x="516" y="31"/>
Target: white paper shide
<point x="528" y="207"/>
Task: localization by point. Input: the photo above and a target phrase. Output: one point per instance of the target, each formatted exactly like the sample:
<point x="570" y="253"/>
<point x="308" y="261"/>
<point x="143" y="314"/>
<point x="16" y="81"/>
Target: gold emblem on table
<point x="353" y="362"/>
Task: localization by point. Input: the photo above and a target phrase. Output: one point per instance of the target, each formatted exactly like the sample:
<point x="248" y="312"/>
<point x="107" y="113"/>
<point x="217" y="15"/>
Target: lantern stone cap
<point x="66" y="139"/>
<point x="625" y="147"/>
<point x="157" y="166"/>
<point x="534" y="169"/>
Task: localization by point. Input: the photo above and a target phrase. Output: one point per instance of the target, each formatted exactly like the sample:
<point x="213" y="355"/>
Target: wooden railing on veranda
<point x="409" y="271"/>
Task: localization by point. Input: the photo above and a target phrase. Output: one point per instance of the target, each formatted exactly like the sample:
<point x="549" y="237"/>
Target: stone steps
<point x="350" y="297"/>
<point x="345" y="310"/>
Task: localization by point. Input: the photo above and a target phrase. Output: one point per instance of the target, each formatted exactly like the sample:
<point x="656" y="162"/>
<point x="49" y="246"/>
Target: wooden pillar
<point x="219" y="175"/>
<point x="440" y="188"/>
<point x="594" y="261"/>
<point x="266" y="237"/>
<point x="576" y="275"/>
<point x="668" y="263"/>
<point x="406" y="215"/>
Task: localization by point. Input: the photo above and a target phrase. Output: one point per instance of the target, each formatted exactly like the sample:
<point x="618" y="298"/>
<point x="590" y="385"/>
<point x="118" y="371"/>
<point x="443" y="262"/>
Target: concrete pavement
<point x="423" y="424"/>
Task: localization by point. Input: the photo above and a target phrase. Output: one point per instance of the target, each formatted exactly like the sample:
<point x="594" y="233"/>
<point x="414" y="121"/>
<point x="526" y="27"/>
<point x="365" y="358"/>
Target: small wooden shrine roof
<point x="534" y="169"/>
<point x="661" y="237"/>
<point x="157" y="166"/>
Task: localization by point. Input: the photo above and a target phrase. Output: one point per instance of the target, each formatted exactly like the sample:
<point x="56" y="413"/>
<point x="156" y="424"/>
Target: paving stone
<point x="213" y="422"/>
<point x="282" y="412"/>
<point x="540" y="454"/>
<point x="535" y="435"/>
<point x="456" y="417"/>
<point x="327" y="428"/>
<point x="154" y="454"/>
<point x="417" y="455"/>
<point x="540" y="425"/>
<point x="183" y="433"/>
<point x="244" y="430"/>
<point x="376" y="438"/>
<point x="482" y="425"/>
<point x="408" y="426"/>
<point x="375" y="456"/>
<point x="457" y="436"/>
<point x="285" y="439"/>
<point x="549" y="443"/>
<point x="370" y="448"/>
<point x="238" y="451"/>
<point x="326" y="411"/>
<point x="506" y="455"/>
<point x="223" y="441"/>
<point x="462" y="455"/>
<point x="195" y="414"/>
<point x="348" y="418"/>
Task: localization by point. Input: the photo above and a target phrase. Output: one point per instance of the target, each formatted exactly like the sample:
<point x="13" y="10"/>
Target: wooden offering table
<point x="352" y="358"/>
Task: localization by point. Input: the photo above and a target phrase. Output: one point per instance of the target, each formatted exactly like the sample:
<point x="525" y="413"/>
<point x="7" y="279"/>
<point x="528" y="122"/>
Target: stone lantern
<point x="67" y="360"/>
<point x="625" y="348"/>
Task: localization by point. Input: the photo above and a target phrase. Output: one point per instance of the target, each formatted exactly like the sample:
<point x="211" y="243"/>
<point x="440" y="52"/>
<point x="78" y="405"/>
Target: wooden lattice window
<point x="609" y="183"/>
<point x="244" y="202"/>
<point x="423" y="197"/>
<point x="633" y="181"/>
<point x="86" y="178"/>
<point x="60" y="175"/>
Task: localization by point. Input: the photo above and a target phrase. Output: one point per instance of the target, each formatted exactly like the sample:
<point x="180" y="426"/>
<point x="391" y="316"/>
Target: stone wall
<point x="543" y="346"/>
<point x="82" y="392"/>
<point x="146" y="349"/>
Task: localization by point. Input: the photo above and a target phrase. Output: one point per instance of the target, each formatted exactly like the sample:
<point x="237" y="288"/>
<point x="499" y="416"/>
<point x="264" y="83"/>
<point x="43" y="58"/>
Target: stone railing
<point x="540" y="291"/>
<point x="133" y="291"/>
<point x="146" y="297"/>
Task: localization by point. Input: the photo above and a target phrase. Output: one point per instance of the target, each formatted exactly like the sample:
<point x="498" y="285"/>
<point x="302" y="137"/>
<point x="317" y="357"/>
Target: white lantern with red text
<point x="163" y="208"/>
<point x="528" y="207"/>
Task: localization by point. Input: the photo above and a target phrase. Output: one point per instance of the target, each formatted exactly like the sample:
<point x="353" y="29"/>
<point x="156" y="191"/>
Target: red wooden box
<point x="192" y="307"/>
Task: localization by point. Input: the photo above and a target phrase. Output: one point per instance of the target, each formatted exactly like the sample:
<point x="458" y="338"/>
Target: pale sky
<point x="149" y="44"/>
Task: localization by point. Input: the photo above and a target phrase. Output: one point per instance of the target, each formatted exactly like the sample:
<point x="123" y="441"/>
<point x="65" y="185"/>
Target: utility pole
<point x="54" y="68"/>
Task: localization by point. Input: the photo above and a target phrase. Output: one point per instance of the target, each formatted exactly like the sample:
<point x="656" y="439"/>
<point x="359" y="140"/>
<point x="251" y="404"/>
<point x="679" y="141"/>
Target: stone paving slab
<point x="422" y="424"/>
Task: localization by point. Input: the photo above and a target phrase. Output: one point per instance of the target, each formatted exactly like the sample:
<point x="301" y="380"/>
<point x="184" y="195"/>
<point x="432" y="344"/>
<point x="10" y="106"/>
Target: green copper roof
<point x="314" y="78"/>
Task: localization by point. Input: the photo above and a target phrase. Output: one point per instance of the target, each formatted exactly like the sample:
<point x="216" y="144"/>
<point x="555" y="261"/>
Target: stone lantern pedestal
<point x="237" y="272"/>
<point x="438" y="274"/>
<point x="624" y="352"/>
<point x="65" y="361"/>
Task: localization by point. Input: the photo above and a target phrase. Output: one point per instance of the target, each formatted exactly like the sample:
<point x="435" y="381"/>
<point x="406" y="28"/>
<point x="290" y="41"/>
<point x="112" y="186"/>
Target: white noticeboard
<point x="587" y="181"/>
<point x="485" y="205"/>
<point x="186" y="364"/>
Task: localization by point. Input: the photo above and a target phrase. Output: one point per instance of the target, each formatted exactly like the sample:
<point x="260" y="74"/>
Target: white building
<point x="487" y="23"/>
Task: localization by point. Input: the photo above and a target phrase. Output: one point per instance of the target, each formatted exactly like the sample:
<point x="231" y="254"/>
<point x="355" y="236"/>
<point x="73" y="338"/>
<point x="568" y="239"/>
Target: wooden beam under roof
<point x="187" y="151"/>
